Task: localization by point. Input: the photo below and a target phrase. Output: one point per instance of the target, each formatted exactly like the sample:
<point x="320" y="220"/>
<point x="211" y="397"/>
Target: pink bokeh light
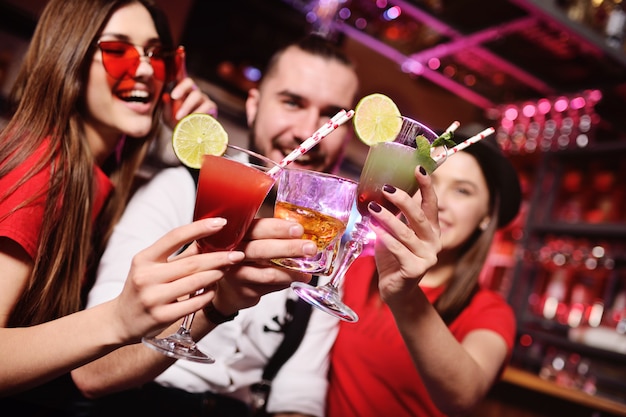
<point x="529" y="110"/>
<point x="561" y="104"/>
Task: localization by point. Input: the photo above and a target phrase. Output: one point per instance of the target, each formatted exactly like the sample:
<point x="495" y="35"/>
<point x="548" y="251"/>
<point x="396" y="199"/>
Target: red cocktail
<point x="231" y="189"/>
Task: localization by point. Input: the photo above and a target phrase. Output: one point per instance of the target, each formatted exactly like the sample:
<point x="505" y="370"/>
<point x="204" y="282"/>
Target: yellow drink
<point x="318" y="227"/>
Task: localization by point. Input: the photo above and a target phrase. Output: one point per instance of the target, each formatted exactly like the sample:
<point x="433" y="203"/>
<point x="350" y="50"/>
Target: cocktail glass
<point x="321" y="203"/>
<point x="233" y="188"/>
<point x="390" y="163"/>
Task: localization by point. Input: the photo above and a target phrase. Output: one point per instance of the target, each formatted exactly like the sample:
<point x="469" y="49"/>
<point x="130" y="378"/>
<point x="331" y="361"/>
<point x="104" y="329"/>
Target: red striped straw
<point x="336" y="121"/>
<point x="466" y="143"/>
<point x="454" y="126"/>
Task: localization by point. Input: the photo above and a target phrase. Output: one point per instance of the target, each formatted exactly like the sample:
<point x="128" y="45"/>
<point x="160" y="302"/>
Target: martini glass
<point x="390" y="163"/>
<point x="230" y="187"/>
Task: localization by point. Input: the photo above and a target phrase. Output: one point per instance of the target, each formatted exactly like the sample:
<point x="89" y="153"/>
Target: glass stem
<point x="185" y="327"/>
<point x="351" y="250"/>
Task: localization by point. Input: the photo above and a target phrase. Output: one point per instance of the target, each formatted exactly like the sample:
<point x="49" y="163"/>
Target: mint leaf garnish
<point x="423" y="154"/>
<point x="445" y="140"/>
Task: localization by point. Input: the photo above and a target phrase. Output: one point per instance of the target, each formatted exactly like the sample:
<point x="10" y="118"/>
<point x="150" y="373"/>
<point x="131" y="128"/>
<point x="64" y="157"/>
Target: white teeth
<point x="135" y="94"/>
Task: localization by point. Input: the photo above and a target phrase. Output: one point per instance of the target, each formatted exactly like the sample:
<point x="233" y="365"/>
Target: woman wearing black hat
<point x="429" y="341"/>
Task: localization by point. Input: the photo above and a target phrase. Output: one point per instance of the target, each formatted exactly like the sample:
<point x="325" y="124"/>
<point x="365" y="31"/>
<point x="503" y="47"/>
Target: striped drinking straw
<point x="336" y="121"/>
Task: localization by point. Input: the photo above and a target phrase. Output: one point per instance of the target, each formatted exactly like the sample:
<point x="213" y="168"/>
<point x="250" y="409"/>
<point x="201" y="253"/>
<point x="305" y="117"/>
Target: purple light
<point x="345" y="13"/>
<point x="560" y="105"/>
<point x="410" y="66"/>
<point x="381" y="4"/>
<point x="392" y="13"/>
<point x="252" y="74"/>
<point x="360" y="23"/>
<point x="311" y="17"/>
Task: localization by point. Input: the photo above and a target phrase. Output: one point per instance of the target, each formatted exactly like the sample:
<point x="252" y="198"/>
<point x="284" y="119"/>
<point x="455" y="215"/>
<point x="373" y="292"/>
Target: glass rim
<point x="253" y="154"/>
<point x="321" y="174"/>
<point x="412" y="128"/>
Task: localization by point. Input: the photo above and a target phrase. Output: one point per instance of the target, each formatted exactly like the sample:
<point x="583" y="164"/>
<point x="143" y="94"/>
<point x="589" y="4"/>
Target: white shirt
<point x="241" y="347"/>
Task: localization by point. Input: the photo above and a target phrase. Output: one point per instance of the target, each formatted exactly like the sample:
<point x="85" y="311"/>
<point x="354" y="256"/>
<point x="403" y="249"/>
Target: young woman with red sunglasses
<point x="88" y="100"/>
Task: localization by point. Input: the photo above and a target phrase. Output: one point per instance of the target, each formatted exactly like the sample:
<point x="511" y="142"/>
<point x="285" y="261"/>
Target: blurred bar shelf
<point x="532" y="382"/>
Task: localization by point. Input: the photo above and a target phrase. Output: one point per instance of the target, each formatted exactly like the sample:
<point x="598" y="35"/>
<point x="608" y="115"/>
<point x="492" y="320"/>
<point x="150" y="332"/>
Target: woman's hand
<point x="158" y="285"/>
<point x="186" y="98"/>
<point x="246" y="282"/>
<point x="405" y="251"/>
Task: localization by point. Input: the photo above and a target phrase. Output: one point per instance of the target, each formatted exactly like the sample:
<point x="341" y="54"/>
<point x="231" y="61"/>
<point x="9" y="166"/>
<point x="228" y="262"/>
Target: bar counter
<point x="523" y="394"/>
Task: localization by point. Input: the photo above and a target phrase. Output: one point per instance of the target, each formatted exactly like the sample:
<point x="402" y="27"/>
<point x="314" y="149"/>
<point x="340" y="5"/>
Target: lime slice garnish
<point x="376" y="119"/>
<point x="198" y="134"/>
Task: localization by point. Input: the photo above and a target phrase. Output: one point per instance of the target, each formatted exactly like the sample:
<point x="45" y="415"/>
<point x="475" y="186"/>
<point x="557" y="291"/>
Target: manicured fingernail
<point x="296" y="231"/>
<point x="216" y="221"/>
<point x="309" y="249"/>
<point x="422" y="171"/>
<point x="389" y="188"/>
<point x="375" y="207"/>
<point x="236" y="256"/>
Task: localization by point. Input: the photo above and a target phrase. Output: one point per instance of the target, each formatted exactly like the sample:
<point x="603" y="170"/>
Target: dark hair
<point x="501" y="176"/>
<point x="504" y="202"/>
<point x="49" y="95"/>
<point x="315" y="45"/>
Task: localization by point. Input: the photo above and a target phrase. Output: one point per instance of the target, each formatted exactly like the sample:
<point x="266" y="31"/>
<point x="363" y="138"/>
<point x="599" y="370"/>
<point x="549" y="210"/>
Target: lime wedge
<point x="198" y="134"/>
<point x="376" y="119"/>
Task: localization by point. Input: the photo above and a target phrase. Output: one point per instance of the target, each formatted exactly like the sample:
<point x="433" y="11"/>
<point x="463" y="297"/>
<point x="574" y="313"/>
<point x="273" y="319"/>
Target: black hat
<point x="500" y="174"/>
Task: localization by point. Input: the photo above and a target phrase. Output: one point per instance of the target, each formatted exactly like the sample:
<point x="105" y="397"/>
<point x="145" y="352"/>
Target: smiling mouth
<point x="135" y="96"/>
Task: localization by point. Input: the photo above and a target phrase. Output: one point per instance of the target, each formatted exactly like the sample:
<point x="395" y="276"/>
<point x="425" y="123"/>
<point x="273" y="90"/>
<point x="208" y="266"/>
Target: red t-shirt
<point x="24" y="225"/>
<point x="372" y="373"/>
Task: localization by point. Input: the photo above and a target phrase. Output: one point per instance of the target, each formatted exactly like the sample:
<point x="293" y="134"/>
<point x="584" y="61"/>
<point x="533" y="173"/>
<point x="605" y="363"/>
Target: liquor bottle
<point x="614" y="29"/>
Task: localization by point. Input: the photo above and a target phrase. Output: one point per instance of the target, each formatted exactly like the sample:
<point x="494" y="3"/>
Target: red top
<point x="24" y="225"/>
<point x="372" y="373"/>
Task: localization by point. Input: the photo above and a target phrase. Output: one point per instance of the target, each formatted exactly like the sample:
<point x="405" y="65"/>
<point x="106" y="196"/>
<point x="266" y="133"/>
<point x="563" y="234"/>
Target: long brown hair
<point x="473" y="255"/>
<point x="49" y="94"/>
<point x="464" y="282"/>
<point x="471" y="259"/>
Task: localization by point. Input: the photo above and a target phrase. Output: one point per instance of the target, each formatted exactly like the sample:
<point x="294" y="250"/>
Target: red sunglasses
<point x="121" y="59"/>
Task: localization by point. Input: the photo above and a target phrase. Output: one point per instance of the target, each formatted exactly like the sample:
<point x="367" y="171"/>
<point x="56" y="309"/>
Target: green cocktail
<point x="388" y="163"/>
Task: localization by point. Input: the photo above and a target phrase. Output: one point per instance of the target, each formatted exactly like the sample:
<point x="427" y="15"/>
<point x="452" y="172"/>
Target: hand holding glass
<point x="321" y="203"/>
<point x="390" y="163"/>
<point x="231" y="189"/>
